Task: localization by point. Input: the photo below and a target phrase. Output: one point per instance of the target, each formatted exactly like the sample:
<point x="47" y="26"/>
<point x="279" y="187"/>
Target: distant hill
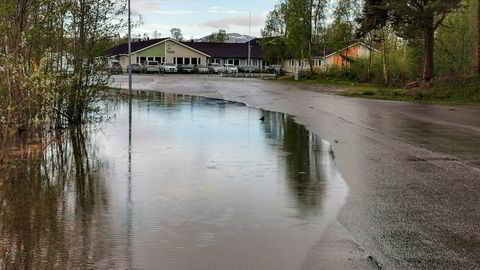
<point x="231" y="38"/>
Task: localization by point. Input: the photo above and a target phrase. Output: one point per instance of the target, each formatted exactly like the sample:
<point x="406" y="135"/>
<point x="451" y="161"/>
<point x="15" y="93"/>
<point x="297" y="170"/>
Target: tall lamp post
<point x="129" y="75"/>
<point x="249" y="33"/>
<point x="129" y="51"/>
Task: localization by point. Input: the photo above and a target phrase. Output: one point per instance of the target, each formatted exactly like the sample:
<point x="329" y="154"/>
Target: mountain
<point x="231" y="38"/>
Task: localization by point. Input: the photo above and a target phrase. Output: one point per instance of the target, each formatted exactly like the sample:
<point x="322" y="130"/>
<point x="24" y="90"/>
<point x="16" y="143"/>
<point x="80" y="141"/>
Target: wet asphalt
<point x="413" y="170"/>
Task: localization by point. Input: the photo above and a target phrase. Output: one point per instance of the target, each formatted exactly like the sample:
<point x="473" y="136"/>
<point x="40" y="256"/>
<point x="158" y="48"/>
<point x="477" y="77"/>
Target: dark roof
<point x="137" y="45"/>
<point x="214" y="49"/>
<point x="227" y="50"/>
<point x="320" y="52"/>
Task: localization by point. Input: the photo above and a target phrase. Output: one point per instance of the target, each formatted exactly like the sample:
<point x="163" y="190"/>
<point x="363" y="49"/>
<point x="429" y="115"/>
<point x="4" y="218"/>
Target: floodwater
<point x="194" y="183"/>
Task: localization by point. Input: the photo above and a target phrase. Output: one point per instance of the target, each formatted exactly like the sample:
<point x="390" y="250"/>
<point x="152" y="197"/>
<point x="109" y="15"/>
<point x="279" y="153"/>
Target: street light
<point x="129" y="52"/>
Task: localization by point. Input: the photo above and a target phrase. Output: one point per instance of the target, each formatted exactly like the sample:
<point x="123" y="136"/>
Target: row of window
<point x="194" y="61"/>
<point x="176" y="60"/>
<point x="187" y="61"/>
<point x="316" y="63"/>
<point x="253" y="62"/>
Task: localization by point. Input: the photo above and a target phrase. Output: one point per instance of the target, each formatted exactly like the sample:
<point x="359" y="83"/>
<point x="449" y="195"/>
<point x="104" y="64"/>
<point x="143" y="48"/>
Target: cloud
<point x="175" y="12"/>
<point x="242" y="21"/>
<point x="222" y="10"/>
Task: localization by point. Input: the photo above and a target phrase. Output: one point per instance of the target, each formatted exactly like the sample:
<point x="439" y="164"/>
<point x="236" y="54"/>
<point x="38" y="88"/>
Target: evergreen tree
<point x="410" y="19"/>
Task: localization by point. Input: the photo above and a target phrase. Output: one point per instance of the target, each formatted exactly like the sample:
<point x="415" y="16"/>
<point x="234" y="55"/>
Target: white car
<point x="231" y="68"/>
<point x="216" y="68"/>
<point x="169" y="68"/>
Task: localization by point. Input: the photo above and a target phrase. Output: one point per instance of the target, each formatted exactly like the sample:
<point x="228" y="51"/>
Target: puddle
<point x="199" y="184"/>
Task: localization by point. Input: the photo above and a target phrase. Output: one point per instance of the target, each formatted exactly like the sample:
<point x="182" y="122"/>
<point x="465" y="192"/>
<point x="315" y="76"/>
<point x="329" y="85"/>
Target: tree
<point x="52" y="50"/>
<point x="176" y="33"/>
<point x="299" y="29"/>
<point x="275" y="33"/>
<point x="410" y="19"/>
<point x="220" y="36"/>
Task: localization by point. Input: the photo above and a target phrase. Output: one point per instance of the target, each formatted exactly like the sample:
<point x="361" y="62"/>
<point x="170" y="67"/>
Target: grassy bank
<point x="452" y="90"/>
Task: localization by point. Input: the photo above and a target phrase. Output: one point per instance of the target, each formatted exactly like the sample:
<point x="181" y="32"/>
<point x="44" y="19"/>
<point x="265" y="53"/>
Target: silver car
<point x="216" y="68"/>
<point x="231" y="68"/>
<point x="151" y="66"/>
<point x="201" y="69"/>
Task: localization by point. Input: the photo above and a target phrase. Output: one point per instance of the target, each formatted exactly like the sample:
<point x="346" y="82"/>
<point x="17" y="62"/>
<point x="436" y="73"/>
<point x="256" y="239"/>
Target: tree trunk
<point x="384" y="54"/>
<point x="429" y="40"/>
<point x="478" y="37"/>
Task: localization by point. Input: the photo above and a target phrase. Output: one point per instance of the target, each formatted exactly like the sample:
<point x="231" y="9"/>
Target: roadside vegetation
<point x="51" y="66"/>
<point x="428" y="51"/>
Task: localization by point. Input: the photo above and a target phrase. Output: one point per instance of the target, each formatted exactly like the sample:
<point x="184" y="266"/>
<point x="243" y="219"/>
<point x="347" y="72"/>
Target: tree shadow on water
<point x="307" y="161"/>
<point x="52" y="197"/>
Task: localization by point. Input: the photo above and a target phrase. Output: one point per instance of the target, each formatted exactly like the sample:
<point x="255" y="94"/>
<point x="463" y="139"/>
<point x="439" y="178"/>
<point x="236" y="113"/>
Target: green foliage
<point x="176" y="33"/>
<point x="50" y="71"/>
<point x="411" y="20"/>
<point x="455" y="43"/>
<point x="221" y="36"/>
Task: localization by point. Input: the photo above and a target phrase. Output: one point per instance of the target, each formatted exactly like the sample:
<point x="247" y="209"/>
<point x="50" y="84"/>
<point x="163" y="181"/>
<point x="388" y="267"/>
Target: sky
<point x="198" y="18"/>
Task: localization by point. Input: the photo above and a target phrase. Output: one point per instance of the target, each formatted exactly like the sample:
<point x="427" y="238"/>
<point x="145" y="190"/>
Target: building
<point x="329" y="58"/>
<point x="164" y="50"/>
<point x="168" y="50"/>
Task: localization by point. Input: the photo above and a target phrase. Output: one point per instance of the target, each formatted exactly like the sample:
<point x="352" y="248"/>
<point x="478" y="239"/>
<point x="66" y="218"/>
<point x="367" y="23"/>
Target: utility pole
<point x="249" y="33"/>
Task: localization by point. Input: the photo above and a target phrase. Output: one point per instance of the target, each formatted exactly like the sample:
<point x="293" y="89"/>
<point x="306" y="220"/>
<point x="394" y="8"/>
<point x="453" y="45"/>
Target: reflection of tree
<point x="304" y="161"/>
<point x="50" y="199"/>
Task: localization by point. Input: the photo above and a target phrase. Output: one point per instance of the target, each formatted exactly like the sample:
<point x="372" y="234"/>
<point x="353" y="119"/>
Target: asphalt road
<point x="413" y="170"/>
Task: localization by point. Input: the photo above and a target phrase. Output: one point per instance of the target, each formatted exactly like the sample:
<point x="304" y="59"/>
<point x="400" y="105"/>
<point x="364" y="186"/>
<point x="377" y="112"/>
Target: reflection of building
<point x="168" y="50"/>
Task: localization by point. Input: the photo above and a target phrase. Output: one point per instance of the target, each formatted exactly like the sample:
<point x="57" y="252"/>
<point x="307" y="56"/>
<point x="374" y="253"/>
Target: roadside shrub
<point x="358" y="71"/>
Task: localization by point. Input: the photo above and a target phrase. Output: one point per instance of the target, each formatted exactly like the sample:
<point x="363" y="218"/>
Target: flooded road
<point x="197" y="184"/>
<point x="412" y="169"/>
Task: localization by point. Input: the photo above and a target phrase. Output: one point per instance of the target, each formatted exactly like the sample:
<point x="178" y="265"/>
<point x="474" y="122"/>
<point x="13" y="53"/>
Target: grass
<point x="447" y="90"/>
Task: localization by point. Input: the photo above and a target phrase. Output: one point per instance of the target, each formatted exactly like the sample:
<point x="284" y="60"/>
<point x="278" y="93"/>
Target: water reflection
<point x="53" y="200"/>
<point x="182" y="183"/>
<point x="307" y="156"/>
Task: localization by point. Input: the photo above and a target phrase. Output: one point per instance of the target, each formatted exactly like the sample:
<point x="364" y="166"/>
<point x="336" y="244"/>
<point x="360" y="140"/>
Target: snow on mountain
<point x="231" y="38"/>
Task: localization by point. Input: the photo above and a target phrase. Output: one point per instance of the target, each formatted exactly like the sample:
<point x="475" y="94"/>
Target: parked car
<point x="247" y="69"/>
<point x="216" y="68"/>
<point x="169" y="68"/>
<point x="186" y="69"/>
<point x="276" y="69"/>
<point x="136" y="68"/>
<point x="201" y="69"/>
<point x="116" y="68"/>
<point x="151" y="66"/>
<point x="231" y="68"/>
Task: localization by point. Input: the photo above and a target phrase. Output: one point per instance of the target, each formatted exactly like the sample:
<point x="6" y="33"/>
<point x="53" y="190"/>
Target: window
<point x="187" y="61"/>
<point x="230" y="61"/>
<point x="180" y="60"/>
<point x="218" y="61"/>
<point x="254" y="62"/>
<point x="138" y="59"/>
<point x="158" y="59"/>
<point x="194" y="61"/>
<point x="236" y="62"/>
<point x="150" y="58"/>
<point x="163" y="60"/>
<point x="199" y="61"/>
<point x="143" y="59"/>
